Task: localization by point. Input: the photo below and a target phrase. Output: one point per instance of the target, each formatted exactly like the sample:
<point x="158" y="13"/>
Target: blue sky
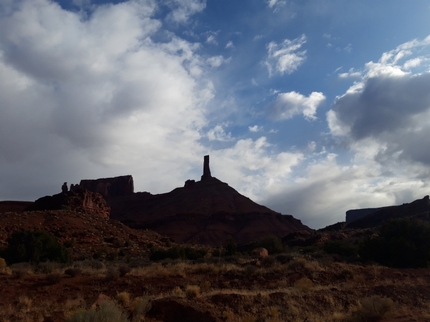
<point x="308" y="107"/>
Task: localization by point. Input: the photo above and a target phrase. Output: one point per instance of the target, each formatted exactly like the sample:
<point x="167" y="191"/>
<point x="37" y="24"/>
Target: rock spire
<point x="206" y="169"/>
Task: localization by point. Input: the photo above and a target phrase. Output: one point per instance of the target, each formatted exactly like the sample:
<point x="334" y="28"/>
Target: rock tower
<point x="206" y="169"/>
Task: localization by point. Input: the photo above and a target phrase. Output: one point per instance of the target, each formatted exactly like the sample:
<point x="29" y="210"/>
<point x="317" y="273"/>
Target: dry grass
<point x="24" y="304"/>
<point x="140" y="306"/>
<point x="374" y="308"/>
<point x="123" y="298"/>
<point x="304" y="284"/>
<point x="326" y="292"/>
<point x="192" y="291"/>
<point x="178" y="292"/>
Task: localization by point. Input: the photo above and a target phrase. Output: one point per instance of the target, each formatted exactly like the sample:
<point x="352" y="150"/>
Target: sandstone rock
<point x="206" y="169"/>
<point x="14" y="206"/>
<point x="64" y="188"/>
<point x="260" y="252"/>
<point x="208" y="212"/>
<point x="110" y="187"/>
<point x="78" y="200"/>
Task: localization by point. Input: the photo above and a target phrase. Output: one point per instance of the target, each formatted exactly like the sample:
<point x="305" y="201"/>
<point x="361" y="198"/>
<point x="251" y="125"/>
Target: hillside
<point x="208" y="212"/>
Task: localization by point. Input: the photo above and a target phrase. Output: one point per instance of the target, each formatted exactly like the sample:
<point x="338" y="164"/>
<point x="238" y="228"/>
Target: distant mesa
<point x="419" y="209"/>
<point x="356" y="214"/>
<point x="374" y="217"/>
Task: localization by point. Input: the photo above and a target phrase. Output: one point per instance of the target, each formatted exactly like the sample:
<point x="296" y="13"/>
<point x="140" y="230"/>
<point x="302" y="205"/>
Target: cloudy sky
<point x="308" y="107"/>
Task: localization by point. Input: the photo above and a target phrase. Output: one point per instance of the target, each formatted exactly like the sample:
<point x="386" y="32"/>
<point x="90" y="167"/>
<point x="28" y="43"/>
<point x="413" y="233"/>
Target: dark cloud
<point x="385" y="105"/>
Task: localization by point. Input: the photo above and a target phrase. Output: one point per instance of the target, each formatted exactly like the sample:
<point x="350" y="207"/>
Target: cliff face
<point x="419" y="209"/>
<point x="356" y="214"/>
<point x="14" y="206"/>
<point x="79" y="199"/>
<point x="110" y="187"/>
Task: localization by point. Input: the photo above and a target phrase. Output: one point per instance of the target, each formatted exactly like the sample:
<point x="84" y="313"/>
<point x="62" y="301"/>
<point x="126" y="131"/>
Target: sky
<point x="308" y="107"/>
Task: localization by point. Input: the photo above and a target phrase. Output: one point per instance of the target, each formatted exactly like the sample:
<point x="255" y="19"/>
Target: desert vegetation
<point x="336" y="280"/>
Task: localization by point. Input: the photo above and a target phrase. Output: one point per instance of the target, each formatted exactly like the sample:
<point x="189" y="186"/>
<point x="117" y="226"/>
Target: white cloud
<point x="182" y="10"/>
<point x="84" y="97"/>
<point x="351" y="74"/>
<point x="276" y="4"/>
<point x="255" y="128"/>
<point x="327" y="189"/>
<point x="384" y="118"/>
<point x="414" y="62"/>
<point x="229" y="45"/>
<point x="217" y="61"/>
<point x="285" y="58"/>
<point x="211" y="40"/>
<point x="288" y="105"/>
<point x="218" y="134"/>
<point x="250" y="167"/>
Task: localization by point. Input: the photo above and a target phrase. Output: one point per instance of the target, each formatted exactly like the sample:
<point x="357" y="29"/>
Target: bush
<point x="124" y="270"/>
<point x="176" y="252"/>
<point x="73" y="272"/>
<point x="343" y="248"/>
<point x="374" y="308"/>
<point x="230" y="247"/>
<point x="107" y="312"/>
<point x="192" y="291"/>
<point x="268" y="261"/>
<point x="402" y="243"/>
<point x="284" y="258"/>
<point x="53" y="278"/>
<point x="140" y="306"/>
<point x="273" y="244"/>
<point x="35" y="246"/>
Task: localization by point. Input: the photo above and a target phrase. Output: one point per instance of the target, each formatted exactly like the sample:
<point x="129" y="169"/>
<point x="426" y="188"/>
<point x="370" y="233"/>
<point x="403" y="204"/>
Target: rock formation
<point x="14" y="206"/>
<point x="110" y="187"/>
<point x="373" y="217"/>
<point x="205" y="212"/>
<point x="419" y="209"/>
<point x="64" y="188"/>
<point x="77" y="200"/>
<point x="356" y="214"/>
<point x="206" y="169"/>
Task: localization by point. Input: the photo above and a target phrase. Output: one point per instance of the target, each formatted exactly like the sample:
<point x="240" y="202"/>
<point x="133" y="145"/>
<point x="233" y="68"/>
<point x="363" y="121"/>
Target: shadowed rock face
<point x="14" y="206"/>
<point x="78" y="200"/>
<point x="110" y="187"/>
<point x="205" y="212"/>
<point x="356" y="214"/>
<point x="417" y="209"/>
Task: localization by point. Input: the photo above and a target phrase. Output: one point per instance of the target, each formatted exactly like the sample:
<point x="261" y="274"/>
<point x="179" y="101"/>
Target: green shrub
<point x="401" y="243"/>
<point x="35" y="246"/>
